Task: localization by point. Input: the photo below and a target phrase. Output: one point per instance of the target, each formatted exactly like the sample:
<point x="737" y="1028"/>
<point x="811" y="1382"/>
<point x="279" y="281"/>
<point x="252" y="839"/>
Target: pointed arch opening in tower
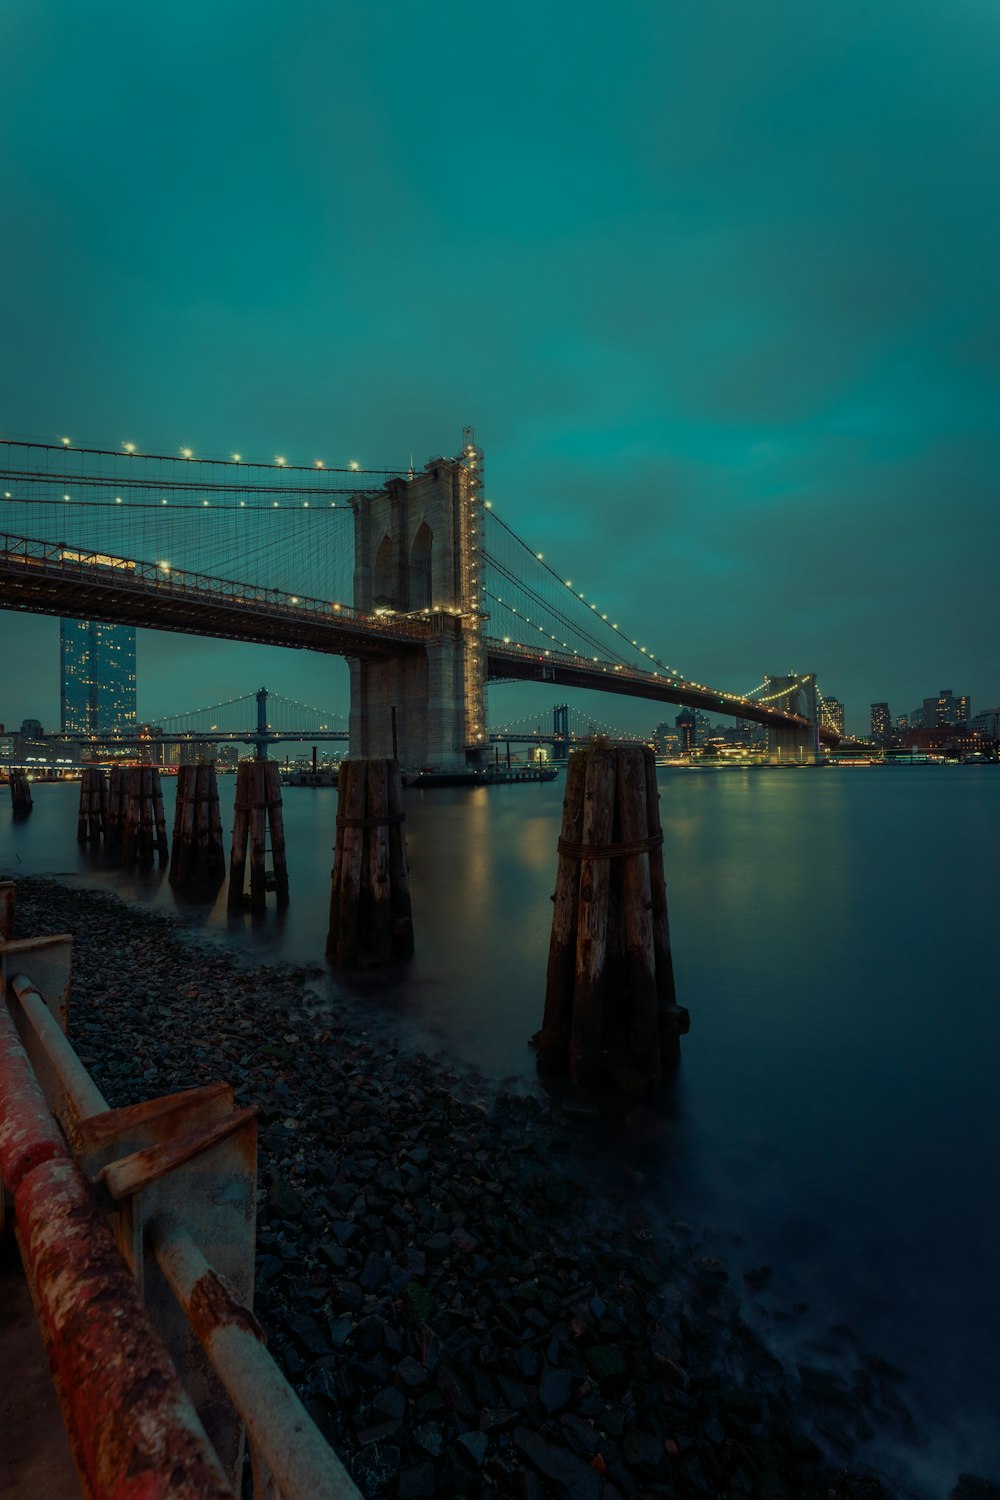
<point x="383" y="581"/>
<point x="420" y="568"/>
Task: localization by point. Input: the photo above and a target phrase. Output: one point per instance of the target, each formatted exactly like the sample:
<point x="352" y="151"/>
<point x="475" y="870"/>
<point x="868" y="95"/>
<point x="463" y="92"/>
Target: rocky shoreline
<point x="461" y="1312"/>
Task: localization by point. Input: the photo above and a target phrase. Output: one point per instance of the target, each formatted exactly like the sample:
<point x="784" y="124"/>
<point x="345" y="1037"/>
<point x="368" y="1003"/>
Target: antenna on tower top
<point x="410" y="474"/>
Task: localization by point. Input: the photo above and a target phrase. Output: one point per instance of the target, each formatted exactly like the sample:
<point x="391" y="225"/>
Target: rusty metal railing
<point x="136" y="1228"/>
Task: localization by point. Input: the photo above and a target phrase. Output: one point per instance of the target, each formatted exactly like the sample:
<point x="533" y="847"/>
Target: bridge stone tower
<point x="796" y="694"/>
<point x="417" y="553"/>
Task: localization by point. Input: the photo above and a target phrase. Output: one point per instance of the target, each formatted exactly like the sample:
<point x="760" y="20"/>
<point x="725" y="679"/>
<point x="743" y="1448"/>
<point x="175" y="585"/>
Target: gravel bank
<point x="462" y="1314"/>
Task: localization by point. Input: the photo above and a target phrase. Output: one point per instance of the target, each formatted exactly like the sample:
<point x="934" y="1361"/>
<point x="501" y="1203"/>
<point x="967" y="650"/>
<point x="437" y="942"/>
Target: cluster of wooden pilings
<point x="93" y="815"/>
<point x="197" y="857"/>
<point x="370" y="914"/>
<point x="258" y="812"/>
<point x="20" y="792"/>
<point x="610" y="1003"/>
<point x="135" y="825"/>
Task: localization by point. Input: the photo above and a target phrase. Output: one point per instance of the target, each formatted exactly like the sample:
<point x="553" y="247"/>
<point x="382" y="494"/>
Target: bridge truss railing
<point x="56" y="560"/>
<point x="169" y="1269"/>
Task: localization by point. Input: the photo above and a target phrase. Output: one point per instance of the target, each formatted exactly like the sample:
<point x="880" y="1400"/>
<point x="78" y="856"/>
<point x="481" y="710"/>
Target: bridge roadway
<point x="42" y="577"/>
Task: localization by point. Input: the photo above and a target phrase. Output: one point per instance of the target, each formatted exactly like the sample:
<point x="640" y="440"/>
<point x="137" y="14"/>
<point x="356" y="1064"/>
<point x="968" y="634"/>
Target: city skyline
<point x="721" y="317"/>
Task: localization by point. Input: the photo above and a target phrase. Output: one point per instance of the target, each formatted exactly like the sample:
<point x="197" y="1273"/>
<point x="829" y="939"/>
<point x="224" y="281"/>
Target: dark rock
<point x="437" y="1247"/>
<point x="643" y="1451"/>
<point x="379" y="1432"/>
<point x="473" y="1445"/>
<point x="374" y="1469"/>
<point x="584" y="1438"/>
<point x="346" y="1296"/>
<point x="758" y="1278"/>
<point x="335" y="1255"/>
<point x="607" y="1365"/>
<point x="376" y="1271"/>
<point x="308" y="1334"/>
<point x="411" y="1377"/>
<point x="344" y="1231"/>
<point x="417" y="1482"/>
<point x="525" y="1361"/>
<point x="429" y="1438"/>
<point x="569" y="1476"/>
<point x="555" y="1389"/>
<point x="282" y="1199"/>
<point x="455" y="1392"/>
<point x="389" y="1402"/>
<point x="370" y="1334"/>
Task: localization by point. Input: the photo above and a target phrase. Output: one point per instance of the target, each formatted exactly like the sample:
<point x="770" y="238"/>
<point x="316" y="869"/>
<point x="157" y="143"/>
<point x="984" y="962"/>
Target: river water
<point x="836" y="1107"/>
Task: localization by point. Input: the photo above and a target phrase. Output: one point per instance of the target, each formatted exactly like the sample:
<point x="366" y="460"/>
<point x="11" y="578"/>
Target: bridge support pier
<point x="794" y="744"/>
<point x="788" y="745"/>
<point x="426" y="689"/>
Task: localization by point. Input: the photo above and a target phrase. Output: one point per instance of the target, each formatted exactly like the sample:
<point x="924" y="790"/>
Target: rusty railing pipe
<point x="83" y="1097"/>
<point x="279" y="1429"/>
<point x="132" y="1428"/>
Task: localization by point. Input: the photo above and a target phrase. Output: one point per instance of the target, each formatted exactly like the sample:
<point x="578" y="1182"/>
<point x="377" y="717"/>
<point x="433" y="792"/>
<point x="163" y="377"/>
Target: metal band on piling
<point x="385" y="822"/>
<point x="610" y="851"/>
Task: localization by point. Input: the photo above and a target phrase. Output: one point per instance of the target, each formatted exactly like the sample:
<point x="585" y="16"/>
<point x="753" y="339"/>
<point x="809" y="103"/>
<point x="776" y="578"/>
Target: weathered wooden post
<point x="135" y="824"/>
<point x="370" y="914"/>
<point x="610" y="1004"/>
<point x="276" y="825"/>
<point x="114" y="830"/>
<point x="93" y="805"/>
<point x="196" y="854"/>
<point x="257" y="809"/>
<point x="20" y="792"/>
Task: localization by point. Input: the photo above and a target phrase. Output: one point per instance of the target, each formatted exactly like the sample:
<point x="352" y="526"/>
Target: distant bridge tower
<point x="560" y="731"/>
<point x="796" y="694"/>
<point x="417" y="551"/>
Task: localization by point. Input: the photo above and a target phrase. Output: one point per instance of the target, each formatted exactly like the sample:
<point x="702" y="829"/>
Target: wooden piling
<point x="587" y="1025"/>
<point x="92" y="818"/>
<point x="610" y="1003"/>
<point x="241" y="828"/>
<point x="197" y="859"/>
<point x="258" y="838"/>
<point x="399" y="872"/>
<point x="370" y="915"/>
<point x="375" y="923"/>
<point x="20" y="792"/>
<point x="674" y="1019"/>
<point x="257" y="810"/>
<point x="135" y="826"/>
<point x="114" y="832"/>
<point x="276" y="824"/>
<point x="553" y="1039"/>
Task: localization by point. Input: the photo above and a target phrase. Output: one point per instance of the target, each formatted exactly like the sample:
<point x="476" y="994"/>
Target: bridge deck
<point x="41" y="577"/>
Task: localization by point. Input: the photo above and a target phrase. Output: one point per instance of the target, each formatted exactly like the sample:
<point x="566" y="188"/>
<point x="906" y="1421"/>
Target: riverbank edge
<point x="462" y="1313"/>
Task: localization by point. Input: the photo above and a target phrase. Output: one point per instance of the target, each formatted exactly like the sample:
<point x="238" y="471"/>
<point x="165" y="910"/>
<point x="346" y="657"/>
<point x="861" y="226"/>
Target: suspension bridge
<point x="411" y="576"/>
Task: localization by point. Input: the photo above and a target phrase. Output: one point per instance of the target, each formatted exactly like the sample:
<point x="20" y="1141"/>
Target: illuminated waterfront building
<point x="96" y="677"/>
<point x="947" y="708"/>
<point x="881" y="724"/>
<point x="685" y="727"/>
<point x="833" y="715"/>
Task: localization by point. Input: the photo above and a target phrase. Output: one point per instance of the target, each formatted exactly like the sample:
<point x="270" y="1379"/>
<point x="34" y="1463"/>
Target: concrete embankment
<point x="462" y="1312"/>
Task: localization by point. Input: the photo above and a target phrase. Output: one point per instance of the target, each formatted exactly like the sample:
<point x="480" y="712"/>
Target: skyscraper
<point x="833" y="715"/>
<point x="96" y="677"/>
<point x="881" y="724"/>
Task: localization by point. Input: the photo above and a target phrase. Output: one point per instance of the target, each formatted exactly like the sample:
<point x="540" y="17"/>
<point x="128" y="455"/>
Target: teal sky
<point x="715" y="281"/>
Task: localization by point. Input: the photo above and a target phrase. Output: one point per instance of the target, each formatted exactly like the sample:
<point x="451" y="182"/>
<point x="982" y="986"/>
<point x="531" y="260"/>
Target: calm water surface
<point x="836" y="1108"/>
